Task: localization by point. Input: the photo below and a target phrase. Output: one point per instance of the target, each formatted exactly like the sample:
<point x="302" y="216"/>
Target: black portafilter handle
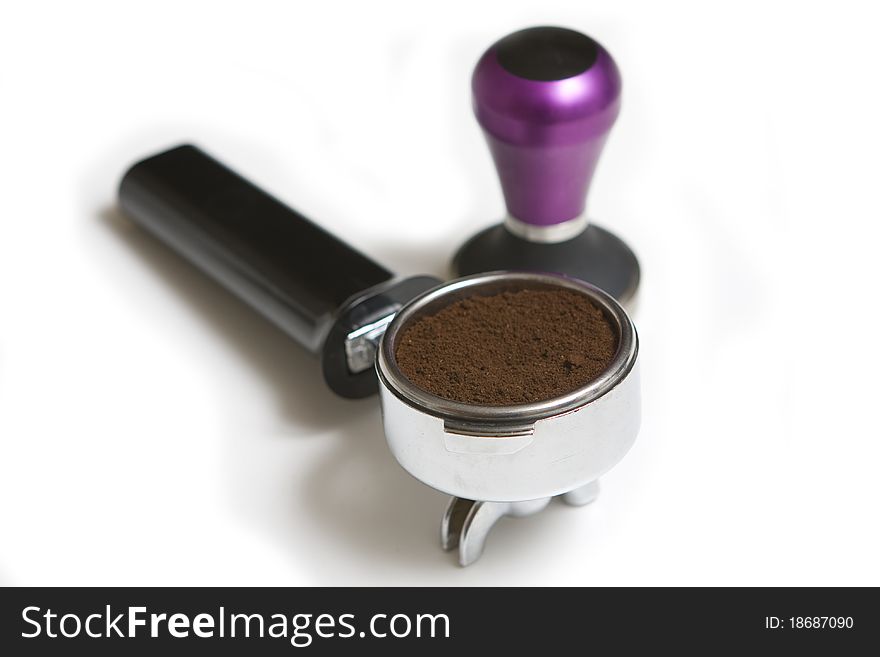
<point x="330" y="298"/>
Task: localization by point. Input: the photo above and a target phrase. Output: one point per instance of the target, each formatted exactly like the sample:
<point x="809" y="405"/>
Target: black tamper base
<point x="595" y="256"/>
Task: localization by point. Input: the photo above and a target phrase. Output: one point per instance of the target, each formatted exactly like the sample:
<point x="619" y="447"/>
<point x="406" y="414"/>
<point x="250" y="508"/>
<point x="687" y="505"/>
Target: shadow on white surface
<point x="293" y="373"/>
<point x="356" y="493"/>
<point x="370" y="508"/>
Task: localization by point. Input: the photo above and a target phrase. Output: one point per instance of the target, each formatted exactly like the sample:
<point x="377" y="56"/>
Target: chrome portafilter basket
<point x="509" y="460"/>
<point x="349" y="311"/>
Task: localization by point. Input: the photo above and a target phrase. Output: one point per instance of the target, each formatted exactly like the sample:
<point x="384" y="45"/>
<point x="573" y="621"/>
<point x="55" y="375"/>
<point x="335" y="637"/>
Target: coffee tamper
<point x="546" y="98"/>
<point x="350" y="311"/>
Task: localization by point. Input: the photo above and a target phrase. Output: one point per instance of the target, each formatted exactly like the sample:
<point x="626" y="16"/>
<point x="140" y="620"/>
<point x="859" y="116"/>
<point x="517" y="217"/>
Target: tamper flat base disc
<point x="595" y="256"/>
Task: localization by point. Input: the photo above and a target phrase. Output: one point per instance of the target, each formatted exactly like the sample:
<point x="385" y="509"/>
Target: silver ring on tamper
<point x="546" y="99"/>
<point x="509" y="460"/>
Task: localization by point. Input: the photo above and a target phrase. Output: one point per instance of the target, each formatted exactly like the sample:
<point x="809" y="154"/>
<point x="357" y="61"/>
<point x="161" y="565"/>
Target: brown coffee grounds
<point x="508" y="348"/>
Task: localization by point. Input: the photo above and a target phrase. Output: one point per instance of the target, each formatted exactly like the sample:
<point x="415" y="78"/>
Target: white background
<point x="154" y="431"/>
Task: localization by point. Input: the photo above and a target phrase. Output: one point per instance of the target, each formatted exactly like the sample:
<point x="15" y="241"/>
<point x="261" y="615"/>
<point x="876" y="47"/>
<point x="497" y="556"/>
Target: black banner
<point x="114" y="621"/>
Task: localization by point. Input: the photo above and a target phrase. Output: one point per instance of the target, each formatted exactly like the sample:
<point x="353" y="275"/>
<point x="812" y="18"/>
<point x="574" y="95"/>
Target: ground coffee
<point x="508" y="348"/>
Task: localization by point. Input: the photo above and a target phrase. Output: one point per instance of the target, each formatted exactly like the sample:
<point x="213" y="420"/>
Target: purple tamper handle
<point x="546" y="99"/>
